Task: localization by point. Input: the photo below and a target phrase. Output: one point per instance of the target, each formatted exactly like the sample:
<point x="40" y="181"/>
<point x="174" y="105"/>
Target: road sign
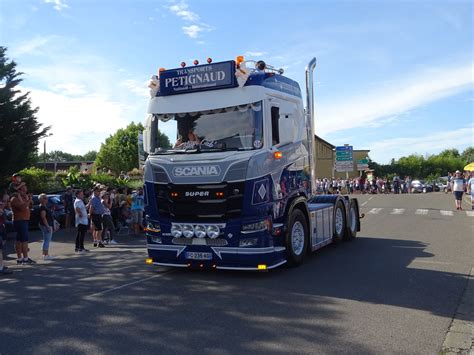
<point x="362" y="164"/>
<point x="344" y="159"/>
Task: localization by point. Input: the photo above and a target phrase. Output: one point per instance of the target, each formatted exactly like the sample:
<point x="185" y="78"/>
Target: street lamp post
<point x="44" y="149"/>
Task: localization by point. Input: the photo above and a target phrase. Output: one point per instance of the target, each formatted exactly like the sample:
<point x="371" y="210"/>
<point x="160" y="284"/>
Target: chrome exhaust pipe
<point x="310" y="120"/>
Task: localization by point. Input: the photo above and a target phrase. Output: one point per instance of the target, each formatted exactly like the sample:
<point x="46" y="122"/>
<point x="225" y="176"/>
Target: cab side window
<point x="275" y="112"/>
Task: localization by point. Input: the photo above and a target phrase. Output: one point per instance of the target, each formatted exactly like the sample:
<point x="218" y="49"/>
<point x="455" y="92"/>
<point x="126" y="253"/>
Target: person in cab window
<point x="188" y="140"/>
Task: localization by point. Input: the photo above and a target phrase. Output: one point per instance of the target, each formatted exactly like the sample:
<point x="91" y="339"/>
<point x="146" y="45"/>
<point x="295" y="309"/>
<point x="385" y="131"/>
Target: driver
<point x="189" y="140"/>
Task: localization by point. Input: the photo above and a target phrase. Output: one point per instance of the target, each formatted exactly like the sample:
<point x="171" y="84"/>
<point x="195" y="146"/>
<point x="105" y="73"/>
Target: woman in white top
<point x="458" y="185"/>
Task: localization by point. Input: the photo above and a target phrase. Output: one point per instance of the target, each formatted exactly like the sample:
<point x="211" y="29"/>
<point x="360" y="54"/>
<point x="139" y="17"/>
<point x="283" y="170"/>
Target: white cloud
<point x="401" y="96"/>
<point x="69" y="89"/>
<point x="182" y="10"/>
<point x="194" y="31"/>
<point x="383" y="151"/>
<point x="36" y="45"/>
<point x="137" y="87"/>
<point x="58" y="4"/>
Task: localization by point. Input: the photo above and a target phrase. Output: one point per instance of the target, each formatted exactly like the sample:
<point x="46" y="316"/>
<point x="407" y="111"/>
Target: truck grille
<point x="219" y="242"/>
<point x="210" y="202"/>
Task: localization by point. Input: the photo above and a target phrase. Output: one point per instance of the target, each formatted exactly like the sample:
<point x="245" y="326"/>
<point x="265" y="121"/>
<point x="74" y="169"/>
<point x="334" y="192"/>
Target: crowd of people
<point x="101" y="211"/>
<point x="363" y="185"/>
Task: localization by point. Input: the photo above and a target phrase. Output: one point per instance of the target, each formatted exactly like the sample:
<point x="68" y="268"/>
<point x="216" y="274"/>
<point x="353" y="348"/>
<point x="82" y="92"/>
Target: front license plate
<point x="198" y="256"/>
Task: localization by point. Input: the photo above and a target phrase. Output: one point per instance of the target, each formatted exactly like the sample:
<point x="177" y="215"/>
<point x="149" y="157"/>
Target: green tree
<point x="90" y="156"/>
<point x="18" y="122"/>
<point x="468" y="155"/>
<point x="120" y="150"/>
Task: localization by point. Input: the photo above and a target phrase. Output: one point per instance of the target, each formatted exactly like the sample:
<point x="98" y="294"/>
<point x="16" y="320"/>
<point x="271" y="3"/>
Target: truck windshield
<point x="229" y="128"/>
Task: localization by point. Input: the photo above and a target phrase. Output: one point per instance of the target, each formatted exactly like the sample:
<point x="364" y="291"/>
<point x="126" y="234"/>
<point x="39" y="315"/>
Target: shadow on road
<point x="223" y="312"/>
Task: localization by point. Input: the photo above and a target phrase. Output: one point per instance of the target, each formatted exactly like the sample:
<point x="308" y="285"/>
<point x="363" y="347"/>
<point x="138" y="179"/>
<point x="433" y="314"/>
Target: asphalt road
<point x="392" y="290"/>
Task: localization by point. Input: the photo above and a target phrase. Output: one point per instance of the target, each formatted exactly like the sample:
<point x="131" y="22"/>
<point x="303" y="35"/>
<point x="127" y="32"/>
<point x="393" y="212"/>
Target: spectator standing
<point x="96" y="210"/>
<point x="20" y="203"/>
<point x="68" y="207"/>
<point x="138" y="205"/>
<point x="458" y="186"/>
<point x="81" y="221"/>
<point x="470" y="188"/>
<point x="396" y="184"/>
<point x="107" y="221"/>
<point x="46" y="225"/>
<point x="3" y="233"/>
<point x="15" y="184"/>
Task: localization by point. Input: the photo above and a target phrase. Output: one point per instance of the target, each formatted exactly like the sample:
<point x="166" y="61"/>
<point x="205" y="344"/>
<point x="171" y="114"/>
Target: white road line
<point x="370" y="198"/>
<point x="364" y="203"/>
<point x="446" y="213"/>
<point x="131" y="283"/>
<point x="375" y="211"/>
<point x="470" y="213"/>
<point x="398" y="211"/>
<point x="421" y="211"/>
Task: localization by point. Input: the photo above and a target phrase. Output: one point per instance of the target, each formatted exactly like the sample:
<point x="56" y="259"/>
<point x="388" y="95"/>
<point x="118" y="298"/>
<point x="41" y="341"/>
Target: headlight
<point x="156" y="240"/>
<point x="188" y="230"/>
<point x="213" y="231"/>
<point x="254" y="227"/>
<point x="153" y="227"/>
<point x="176" y="231"/>
<point x="200" y="231"/>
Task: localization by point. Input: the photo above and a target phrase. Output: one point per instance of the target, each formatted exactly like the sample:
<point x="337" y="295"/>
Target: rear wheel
<point x="351" y="231"/>
<point x="296" y="238"/>
<point x="339" y="221"/>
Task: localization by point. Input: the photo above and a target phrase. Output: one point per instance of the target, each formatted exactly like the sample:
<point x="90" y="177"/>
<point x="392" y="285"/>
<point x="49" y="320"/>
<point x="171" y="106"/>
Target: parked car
<point x="420" y="186"/>
<point x="54" y="203"/>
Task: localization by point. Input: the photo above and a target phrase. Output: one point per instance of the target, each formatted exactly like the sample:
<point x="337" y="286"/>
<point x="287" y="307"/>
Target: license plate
<point x="198" y="256"/>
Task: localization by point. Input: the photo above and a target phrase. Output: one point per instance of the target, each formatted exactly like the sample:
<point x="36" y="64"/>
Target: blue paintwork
<point x="275" y="82"/>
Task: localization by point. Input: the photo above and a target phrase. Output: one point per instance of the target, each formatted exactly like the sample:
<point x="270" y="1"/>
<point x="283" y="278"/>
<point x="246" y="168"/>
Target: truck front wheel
<point x="296" y="238"/>
<point x="339" y="221"/>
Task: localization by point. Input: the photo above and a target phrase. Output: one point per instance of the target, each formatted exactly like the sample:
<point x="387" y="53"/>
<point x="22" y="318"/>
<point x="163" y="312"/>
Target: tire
<point x="352" y="223"/>
<point x="296" y="240"/>
<point x="340" y="223"/>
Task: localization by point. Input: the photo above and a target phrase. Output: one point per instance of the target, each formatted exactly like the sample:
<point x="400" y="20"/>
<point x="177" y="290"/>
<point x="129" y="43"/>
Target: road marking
<point x="364" y="203"/>
<point x="370" y="198"/>
<point x="470" y="213"/>
<point x="375" y="211"/>
<point x="431" y="262"/>
<point x="446" y="213"/>
<point x="421" y="211"/>
<point x="130" y="284"/>
<point x="398" y="211"/>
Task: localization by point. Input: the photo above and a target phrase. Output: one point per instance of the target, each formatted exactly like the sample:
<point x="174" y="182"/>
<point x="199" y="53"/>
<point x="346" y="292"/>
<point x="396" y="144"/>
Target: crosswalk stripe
<point x="375" y="211"/>
<point x="470" y="213"/>
<point x="398" y="211"/>
<point x="421" y="211"/>
<point x="446" y="213"/>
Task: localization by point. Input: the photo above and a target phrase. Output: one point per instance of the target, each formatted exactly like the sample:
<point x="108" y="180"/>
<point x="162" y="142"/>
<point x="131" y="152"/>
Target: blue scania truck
<point x="230" y="171"/>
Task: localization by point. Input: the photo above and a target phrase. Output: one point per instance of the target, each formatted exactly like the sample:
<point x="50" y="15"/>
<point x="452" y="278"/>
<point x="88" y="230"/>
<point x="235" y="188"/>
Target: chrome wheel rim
<point x="339" y="221"/>
<point x="297" y="238"/>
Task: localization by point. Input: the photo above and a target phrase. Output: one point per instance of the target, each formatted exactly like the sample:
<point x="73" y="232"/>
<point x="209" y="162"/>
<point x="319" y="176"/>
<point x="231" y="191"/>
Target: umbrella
<point x="469" y="167"/>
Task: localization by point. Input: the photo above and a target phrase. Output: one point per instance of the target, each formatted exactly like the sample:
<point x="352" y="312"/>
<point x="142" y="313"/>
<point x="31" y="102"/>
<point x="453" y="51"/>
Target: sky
<point x="395" y="77"/>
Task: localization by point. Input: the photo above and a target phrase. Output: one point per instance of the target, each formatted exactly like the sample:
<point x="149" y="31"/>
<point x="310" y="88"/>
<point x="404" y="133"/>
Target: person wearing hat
<point x="458" y="185"/>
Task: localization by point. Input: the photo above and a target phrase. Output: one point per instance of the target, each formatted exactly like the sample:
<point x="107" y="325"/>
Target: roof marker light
<point x="196" y="62"/>
<point x="239" y="59"/>
<point x="209" y="60"/>
<point x="183" y="64"/>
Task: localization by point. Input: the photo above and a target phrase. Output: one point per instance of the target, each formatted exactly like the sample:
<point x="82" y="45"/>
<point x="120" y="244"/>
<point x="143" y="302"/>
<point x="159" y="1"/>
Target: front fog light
<point x="213" y="231"/>
<point x="156" y="240"/>
<point x="176" y="231"/>
<point x="188" y="230"/>
<point x="200" y="231"/>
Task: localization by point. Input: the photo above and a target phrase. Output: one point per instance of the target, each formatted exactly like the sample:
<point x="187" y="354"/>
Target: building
<point x="83" y="166"/>
<point x="325" y="156"/>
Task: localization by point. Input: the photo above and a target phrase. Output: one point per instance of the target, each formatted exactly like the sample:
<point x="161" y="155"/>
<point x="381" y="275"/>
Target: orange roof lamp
<point x="239" y="60"/>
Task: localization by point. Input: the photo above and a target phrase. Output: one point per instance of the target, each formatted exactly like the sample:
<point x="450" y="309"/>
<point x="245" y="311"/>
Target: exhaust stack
<point x="310" y="120"/>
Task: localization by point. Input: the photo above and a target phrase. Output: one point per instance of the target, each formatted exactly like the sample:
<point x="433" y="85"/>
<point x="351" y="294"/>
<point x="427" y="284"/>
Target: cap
<point x="457" y="172"/>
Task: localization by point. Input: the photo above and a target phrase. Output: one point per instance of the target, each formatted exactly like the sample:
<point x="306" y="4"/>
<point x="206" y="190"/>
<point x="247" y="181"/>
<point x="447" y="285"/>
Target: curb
<point x="460" y="336"/>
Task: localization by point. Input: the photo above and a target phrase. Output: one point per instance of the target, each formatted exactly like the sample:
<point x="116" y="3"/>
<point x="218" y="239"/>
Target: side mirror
<point x="146" y="141"/>
<point x="287" y="129"/>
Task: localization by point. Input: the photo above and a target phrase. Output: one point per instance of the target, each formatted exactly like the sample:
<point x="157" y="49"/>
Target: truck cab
<point x="229" y="172"/>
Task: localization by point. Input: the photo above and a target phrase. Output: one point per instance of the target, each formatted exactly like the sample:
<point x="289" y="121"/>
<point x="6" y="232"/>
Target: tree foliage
<point x="60" y="156"/>
<point x="429" y="167"/>
<point x="19" y="125"/>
